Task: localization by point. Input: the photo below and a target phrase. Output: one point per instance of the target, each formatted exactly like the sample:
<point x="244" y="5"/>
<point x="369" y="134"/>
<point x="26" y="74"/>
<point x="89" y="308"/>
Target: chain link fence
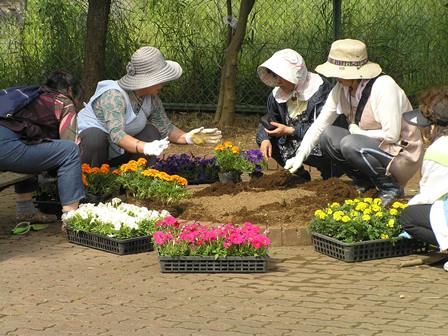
<point x="407" y="38"/>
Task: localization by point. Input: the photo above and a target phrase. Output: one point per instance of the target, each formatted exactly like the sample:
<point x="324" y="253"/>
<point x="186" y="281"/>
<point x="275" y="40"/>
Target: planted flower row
<point x="171" y="238"/>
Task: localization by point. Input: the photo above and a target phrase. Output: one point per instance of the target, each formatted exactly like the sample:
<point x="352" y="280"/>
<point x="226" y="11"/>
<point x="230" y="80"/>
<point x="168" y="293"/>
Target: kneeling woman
<point x="426" y="217"/>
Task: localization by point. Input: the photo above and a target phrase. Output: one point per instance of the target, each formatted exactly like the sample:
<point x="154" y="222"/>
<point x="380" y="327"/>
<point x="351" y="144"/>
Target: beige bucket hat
<point x="348" y="60"/>
<point x="148" y="67"/>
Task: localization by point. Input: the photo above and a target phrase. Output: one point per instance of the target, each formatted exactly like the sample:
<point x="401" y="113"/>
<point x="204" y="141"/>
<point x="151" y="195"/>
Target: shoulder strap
<point x="364" y="97"/>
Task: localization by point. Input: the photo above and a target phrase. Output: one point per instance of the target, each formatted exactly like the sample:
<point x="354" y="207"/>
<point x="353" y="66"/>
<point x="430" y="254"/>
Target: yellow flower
<point x="365" y="217"/>
<point x="334" y="205"/>
<point x="367" y="211"/>
<point x="361" y="206"/>
<point x="348" y="202"/>
<point x="337" y="216"/>
<point x="228" y="144"/>
<point x="397" y="205"/>
<point x="377" y="201"/>
<point x="384" y="236"/>
<point x="391" y="223"/>
<point x="235" y="150"/>
<point x="393" y="212"/>
<point x="379" y="214"/>
<point x="354" y="214"/>
<point x="345" y="219"/>
<point x="368" y="200"/>
<point x="142" y="162"/>
<point x="329" y="211"/>
<point x="376" y="208"/>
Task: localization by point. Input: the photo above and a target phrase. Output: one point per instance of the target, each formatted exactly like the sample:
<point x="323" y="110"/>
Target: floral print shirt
<point x="110" y="108"/>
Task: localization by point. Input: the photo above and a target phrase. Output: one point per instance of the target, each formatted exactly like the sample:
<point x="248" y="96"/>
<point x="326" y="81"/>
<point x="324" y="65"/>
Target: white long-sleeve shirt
<point x="388" y="102"/>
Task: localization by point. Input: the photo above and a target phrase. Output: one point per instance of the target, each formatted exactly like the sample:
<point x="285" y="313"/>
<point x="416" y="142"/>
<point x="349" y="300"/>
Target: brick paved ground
<point x="51" y="287"/>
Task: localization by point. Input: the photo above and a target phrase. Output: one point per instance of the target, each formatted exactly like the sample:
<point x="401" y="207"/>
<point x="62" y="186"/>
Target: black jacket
<point x="278" y="113"/>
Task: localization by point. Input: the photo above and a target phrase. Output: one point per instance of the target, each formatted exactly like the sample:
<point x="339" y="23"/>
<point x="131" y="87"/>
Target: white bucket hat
<point x="148" y="67"/>
<point x="289" y="65"/>
<point x="348" y="60"/>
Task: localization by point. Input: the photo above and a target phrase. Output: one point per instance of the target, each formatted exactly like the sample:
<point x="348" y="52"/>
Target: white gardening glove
<point x="155" y="147"/>
<point x="200" y="136"/>
<point x="295" y="162"/>
<point x="354" y="129"/>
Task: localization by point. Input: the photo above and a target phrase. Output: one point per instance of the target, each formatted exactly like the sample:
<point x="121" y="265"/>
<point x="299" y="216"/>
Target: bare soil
<point x="277" y="199"/>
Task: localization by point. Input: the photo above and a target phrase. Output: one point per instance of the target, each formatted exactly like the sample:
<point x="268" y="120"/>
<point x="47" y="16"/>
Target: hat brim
<point x="171" y="71"/>
<point x="415" y="117"/>
<point x="367" y="71"/>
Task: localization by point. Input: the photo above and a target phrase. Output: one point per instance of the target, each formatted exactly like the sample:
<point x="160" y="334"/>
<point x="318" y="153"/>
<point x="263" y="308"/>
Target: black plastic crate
<point x="108" y="244"/>
<point x="366" y="250"/>
<point x="200" y="264"/>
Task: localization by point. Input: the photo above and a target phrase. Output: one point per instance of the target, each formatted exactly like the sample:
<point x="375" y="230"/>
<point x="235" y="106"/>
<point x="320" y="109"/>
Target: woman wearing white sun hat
<point x="125" y="119"/>
<point x="293" y="105"/>
<point x="379" y="149"/>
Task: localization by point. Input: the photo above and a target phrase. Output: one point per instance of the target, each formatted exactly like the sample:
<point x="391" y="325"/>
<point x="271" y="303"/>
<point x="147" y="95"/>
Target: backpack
<point x="16" y="98"/>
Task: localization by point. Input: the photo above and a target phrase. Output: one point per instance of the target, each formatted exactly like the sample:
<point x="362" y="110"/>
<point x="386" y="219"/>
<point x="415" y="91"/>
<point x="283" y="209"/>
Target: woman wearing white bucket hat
<point x="293" y="105"/>
<point x="379" y="149"/>
<point x="125" y="119"/>
<point x="426" y="217"/>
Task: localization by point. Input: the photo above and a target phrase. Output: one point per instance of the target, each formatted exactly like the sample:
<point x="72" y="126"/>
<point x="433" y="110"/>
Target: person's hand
<point x="280" y="130"/>
<point x="266" y="148"/>
<point x="295" y="162"/>
<point x="354" y="129"/>
<point x="155" y="147"/>
<point x="200" y="136"/>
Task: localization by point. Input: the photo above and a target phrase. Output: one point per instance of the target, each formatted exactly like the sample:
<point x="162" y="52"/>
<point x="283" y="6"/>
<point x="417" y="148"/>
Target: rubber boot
<point x="388" y="189"/>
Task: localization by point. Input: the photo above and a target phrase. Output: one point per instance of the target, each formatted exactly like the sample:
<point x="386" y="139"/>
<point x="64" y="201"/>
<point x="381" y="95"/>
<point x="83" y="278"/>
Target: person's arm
<point x="327" y="116"/>
<point x="110" y="108"/>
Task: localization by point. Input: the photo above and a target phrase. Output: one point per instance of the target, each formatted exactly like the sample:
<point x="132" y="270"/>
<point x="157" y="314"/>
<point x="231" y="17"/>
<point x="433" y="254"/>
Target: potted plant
<point x="100" y="183"/>
<point x="195" y="247"/>
<point x="196" y="170"/>
<point x="256" y="157"/>
<point x="115" y="227"/>
<point x="231" y="162"/>
<point x="360" y="229"/>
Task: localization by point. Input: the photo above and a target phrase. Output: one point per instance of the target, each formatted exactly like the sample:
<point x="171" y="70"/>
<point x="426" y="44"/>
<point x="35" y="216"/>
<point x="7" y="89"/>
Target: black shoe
<point x="362" y="185"/>
<point x="303" y="174"/>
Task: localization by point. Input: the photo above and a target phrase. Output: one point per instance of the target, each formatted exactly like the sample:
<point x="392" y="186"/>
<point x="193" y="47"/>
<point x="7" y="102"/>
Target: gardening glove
<point x="354" y="129"/>
<point x="200" y="136"/>
<point x="155" y="147"/>
<point x="295" y="162"/>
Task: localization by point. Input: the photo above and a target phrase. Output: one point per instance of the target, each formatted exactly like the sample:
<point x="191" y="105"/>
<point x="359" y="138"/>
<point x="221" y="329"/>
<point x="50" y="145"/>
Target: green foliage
<point x="358" y="220"/>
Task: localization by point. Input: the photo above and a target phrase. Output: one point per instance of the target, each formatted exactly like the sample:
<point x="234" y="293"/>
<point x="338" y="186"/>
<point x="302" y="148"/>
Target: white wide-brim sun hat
<point x="289" y="65"/>
<point x="147" y="68"/>
<point x="348" y="59"/>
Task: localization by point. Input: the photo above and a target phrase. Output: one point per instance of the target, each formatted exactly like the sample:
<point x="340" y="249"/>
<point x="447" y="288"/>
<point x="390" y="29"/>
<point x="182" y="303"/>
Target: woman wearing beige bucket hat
<point x="293" y="105"/>
<point x="426" y="217"/>
<point x="125" y="119"/>
<point x="379" y="149"/>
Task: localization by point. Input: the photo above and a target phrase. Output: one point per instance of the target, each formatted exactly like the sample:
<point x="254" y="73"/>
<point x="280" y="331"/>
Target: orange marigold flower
<point x="228" y="144"/>
<point x="219" y="148"/>
<point x="116" y="172"/>
<point x="95" y="170"/>
<point x="104" y="168"/>
<point x="235" y="150"/>
<point x="85" y="167"/>
<point x="84" y="180"/>
<point x="142" y="162"/>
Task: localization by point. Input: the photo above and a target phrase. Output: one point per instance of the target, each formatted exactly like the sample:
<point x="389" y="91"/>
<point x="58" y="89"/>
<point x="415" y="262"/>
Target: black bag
<point x="16" y="98"/>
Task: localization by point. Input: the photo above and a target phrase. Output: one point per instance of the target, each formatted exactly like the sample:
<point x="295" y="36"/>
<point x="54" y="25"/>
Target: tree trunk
<point x="95" y="45"/>
<point x="225" y="111"/>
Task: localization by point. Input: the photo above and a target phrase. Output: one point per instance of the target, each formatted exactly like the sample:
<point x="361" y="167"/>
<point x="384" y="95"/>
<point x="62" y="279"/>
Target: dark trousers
<point x="95" y="147"/>
<point x="415" y="221"/>
<point x="358" y="155"/>
<point x="322" y="163"/>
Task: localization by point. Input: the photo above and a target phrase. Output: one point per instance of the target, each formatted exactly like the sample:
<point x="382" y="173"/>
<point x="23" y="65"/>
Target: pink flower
<point x="160" y="238"/>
